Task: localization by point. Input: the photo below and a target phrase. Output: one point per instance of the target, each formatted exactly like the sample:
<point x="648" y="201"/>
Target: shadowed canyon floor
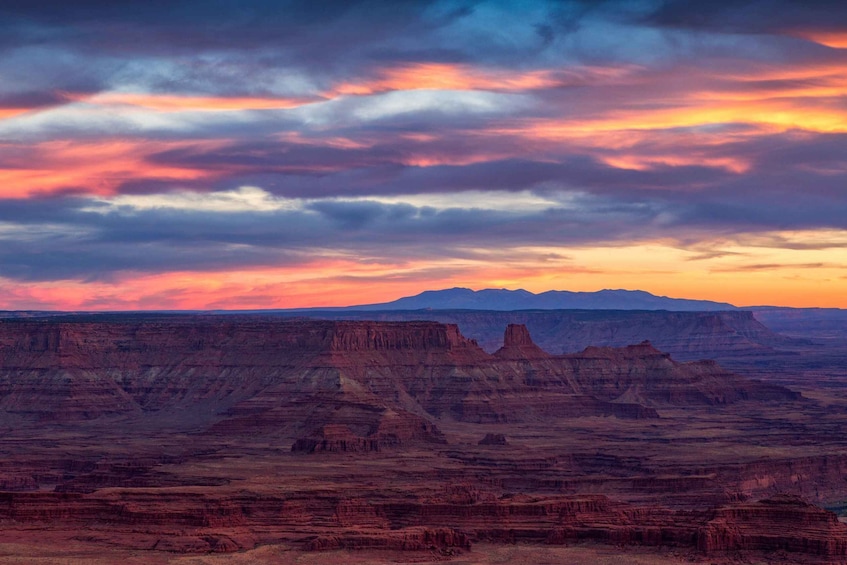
<point x="171" y="437"/>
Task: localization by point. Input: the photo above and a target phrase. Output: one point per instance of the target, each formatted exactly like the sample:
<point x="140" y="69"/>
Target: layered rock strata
<point x="215" y="434"/>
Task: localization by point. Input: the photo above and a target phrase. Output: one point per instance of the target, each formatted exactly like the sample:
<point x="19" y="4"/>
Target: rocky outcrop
<point x="685" y="335"/>
<point x="298" y="376"/>
<point x="63" y="394"/>
<point x="493" y="439"/>
<point x="198" y="365"/>
<point x="356" y="337"/>
<point x="782" y="522"/>
<point x="187" y="521"/>
<point x="641" y="373"/>
<point x="393" y="430"/>
<point x="517" y="344"/>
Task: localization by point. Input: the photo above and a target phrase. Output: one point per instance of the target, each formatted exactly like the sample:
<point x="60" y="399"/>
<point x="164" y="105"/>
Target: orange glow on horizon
<point x="328" y="282"/>
<point x="744" y="274"/>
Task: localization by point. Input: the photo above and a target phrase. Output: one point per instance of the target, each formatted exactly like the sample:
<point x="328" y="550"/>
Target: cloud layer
<point x="252" y="154"/>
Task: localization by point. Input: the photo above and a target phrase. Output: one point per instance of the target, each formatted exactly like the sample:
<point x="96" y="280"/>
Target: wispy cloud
<point x="454" y="142"/>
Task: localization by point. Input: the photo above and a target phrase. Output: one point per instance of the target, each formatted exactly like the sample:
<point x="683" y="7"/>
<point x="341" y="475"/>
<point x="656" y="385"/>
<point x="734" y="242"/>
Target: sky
<point x="275" y="154"/>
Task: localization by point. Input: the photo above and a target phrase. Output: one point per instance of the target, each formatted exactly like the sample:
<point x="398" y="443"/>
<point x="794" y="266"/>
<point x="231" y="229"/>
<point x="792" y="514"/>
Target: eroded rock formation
<point x="782" y="522"/>
<point x="216" y="434"/>
<point x="686" y="335"/>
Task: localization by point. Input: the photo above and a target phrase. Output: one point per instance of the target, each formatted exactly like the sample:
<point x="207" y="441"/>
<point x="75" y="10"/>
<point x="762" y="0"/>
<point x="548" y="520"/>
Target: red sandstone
<point x="216" y="434"/>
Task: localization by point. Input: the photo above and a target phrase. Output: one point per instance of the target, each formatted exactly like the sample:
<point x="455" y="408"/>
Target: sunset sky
<point x="243" y="154"/>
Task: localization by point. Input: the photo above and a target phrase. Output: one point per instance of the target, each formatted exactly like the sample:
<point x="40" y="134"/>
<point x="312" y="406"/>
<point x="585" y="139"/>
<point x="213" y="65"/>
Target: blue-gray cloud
<point x="348" y="163"/>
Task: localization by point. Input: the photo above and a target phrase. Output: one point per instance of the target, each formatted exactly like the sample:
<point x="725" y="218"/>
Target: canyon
<point x="178" y="435"/>
<point x="687" y="336"/>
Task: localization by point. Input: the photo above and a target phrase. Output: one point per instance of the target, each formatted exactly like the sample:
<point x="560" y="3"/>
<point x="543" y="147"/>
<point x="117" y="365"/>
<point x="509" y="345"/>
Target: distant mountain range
<point x="502" y="299"/>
